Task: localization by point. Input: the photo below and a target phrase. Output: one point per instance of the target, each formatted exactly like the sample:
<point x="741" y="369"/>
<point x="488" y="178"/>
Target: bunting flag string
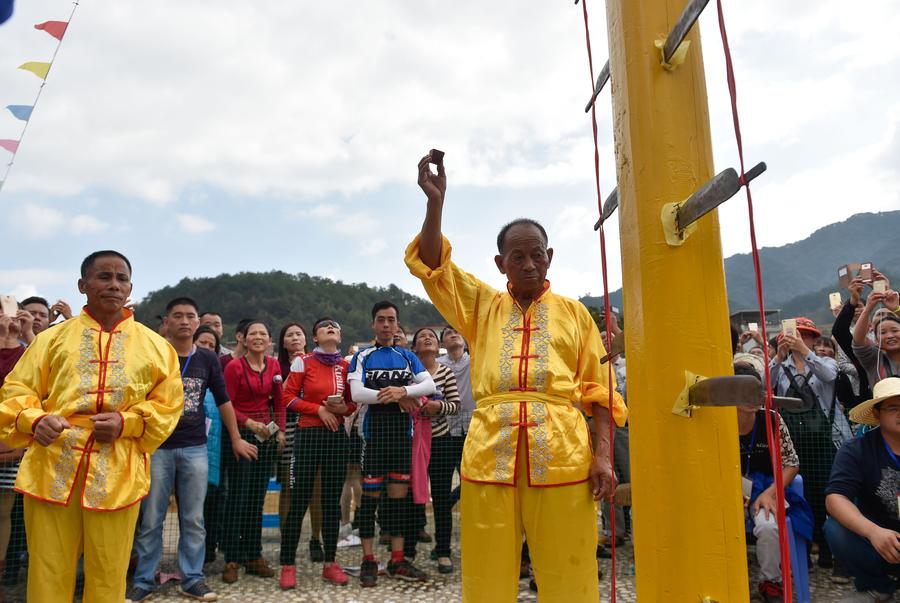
<point x="22" y="112"/>
<point x="41" y="69"/>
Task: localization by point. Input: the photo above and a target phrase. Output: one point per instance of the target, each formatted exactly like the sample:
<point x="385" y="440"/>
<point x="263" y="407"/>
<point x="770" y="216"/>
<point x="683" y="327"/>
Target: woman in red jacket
<point x="254" y="385"/>
<point x="317" y="389"/>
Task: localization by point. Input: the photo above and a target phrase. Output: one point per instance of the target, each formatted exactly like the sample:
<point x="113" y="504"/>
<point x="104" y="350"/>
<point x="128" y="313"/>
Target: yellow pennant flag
<point x="39" y="69"/>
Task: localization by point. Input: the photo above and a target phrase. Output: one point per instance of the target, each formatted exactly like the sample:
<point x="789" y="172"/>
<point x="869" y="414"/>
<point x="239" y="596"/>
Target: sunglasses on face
<point x="327" y="323"/>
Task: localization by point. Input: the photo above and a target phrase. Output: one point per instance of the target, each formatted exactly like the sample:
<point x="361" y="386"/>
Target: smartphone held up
<point x="8" y="305"/>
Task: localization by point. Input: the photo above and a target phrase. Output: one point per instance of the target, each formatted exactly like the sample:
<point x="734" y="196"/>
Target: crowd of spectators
<point x="363" y="442"/>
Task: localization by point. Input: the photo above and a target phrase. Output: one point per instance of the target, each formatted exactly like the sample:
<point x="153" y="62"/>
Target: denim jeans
<point x="185" y="470"/>
<point x="869" y="569"/>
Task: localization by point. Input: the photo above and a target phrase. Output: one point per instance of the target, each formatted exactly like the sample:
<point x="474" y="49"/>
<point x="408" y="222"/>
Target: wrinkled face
<point x="41" y="316"/>
<point x="385" y="326"/>
<point x="889" y="335"/>
<point x="258" y="338"/>
<point x="206" y="340"/>
<point x="107" y="284"/>
<point x="328" y="332"/>
<point x="181" y="322"/>
<point x="426" y="342"/>
<point x="294" y="340"/>
<point x="525" y="259"/>
<point x="888" y="415"/>
<point x="214" y="321"/>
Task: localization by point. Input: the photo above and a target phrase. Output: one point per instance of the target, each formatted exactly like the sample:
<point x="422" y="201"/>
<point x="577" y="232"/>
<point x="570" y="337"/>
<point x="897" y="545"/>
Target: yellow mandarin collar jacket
<point x="531" y="370"/>
<point x="76" y="370"/>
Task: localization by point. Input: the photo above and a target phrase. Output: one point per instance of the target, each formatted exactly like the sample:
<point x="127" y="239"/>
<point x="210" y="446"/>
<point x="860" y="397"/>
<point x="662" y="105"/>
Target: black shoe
<point x="404" y="570"/>
<point x="423" y="537"/>
<point x="136" y="593"/>
<point x="316" y="554"/>
<point x="200" y="591"/>
<point x="603" y="552"/>
<point x="368" y="573"/>
<point x="532" y="585"/>
<point x="445" y="568"/>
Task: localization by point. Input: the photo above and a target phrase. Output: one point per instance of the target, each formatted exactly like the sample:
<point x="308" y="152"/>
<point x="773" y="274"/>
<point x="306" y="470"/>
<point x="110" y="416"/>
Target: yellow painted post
<point x="688" y="521"/>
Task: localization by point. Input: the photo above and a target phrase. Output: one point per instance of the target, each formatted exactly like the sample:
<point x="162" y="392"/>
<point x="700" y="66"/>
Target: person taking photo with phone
<point x="822" y="428"/>
<point x="880" y="358"/>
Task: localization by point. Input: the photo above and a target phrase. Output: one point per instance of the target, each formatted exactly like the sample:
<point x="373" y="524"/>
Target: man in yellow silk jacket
<point x="528" y="465"/>
<point x="91" y="398"/>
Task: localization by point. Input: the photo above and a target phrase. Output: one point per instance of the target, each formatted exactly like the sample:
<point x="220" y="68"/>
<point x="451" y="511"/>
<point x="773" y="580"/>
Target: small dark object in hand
<point x="437" y="157"/>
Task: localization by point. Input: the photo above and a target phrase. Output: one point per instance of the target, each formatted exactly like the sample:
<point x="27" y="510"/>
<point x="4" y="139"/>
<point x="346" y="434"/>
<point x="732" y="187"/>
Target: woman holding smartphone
<point x="254" y="385"/>
<point x="317" y="389"/>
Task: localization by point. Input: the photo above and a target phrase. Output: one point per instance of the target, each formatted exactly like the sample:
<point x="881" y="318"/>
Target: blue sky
<point x="258" y="136"/>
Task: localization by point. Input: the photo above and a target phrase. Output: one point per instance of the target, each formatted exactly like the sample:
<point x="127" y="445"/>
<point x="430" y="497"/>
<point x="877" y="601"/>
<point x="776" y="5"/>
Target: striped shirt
<point x="447" y="394"/>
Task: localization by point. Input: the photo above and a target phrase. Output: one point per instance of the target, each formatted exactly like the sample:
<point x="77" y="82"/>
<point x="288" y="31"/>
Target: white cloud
<point x="193" y="224"/>
<point x="87" y="224"/>
<point x="39" y="222"/>
<point x="372" y="247"/>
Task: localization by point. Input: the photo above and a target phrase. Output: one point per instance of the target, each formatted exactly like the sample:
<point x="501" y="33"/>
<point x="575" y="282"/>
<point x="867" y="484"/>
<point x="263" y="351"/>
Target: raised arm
<point x="435" y="187"/>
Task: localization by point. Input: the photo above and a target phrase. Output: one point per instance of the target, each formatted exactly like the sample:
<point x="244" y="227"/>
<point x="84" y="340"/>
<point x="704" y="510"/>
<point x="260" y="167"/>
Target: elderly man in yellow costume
<point x="91" y="398"/>
<point x="528" y="464"/>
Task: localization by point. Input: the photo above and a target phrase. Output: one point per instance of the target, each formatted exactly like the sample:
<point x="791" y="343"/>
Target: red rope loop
<point x="606" y="308"/>
<point x="773" y="439"/>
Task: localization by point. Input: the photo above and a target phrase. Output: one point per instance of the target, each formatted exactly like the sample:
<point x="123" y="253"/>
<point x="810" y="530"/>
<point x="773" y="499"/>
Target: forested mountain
<point x="278" y="297"/>
<point x="798" y="277"/>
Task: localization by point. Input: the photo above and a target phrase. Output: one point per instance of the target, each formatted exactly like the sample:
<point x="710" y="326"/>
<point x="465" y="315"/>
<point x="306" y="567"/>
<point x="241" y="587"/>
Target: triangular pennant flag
<point x="10" y="145"/>
<point x="39" y="69"/>
<point x="22" y="112"/>
<point x="57" y="29"/>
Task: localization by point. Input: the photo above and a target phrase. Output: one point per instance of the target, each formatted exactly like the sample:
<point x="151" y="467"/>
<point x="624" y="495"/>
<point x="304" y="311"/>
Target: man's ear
<point x="81" y="285"/>
<point x="498" y="259"/>
<point x="549" y="256"/>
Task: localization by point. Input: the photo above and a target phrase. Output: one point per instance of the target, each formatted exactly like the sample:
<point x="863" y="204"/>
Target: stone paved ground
<point x="439" y="589"/>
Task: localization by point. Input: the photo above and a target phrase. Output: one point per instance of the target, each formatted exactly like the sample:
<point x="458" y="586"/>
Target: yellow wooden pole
<point x="688" y="517"/>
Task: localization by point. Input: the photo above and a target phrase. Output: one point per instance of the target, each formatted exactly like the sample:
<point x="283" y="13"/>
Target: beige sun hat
<point x="884" y="389"/>
<point x="755" y="361"/>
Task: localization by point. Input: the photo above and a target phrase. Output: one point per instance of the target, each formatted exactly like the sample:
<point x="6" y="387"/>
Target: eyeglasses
<point x="326" y="324"/>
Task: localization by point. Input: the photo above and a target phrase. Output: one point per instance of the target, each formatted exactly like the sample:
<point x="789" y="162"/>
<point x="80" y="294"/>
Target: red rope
<point x="774" y="441"/>
<point x="606" y="309"/>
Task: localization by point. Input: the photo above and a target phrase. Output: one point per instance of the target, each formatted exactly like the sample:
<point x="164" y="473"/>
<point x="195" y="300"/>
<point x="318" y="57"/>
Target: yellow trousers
<point x="560" y="524"/>
<point x="57" y="536"/>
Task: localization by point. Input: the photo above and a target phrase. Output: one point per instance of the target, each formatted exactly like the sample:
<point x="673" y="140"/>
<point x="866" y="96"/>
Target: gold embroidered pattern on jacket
<point x="508" y="333"/>
<point x="541" y="341"/>
<point x="504" y="450"/>
<point x="117" y="378"/>
<point x="86" y="369"/>
<point x="540" y="455"/>
<point x="96" y="492"/>
<point x="66" y="466"/>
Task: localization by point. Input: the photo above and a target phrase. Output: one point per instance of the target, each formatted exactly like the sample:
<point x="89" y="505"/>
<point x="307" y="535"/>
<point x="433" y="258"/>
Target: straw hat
<point x="884" y="389"/>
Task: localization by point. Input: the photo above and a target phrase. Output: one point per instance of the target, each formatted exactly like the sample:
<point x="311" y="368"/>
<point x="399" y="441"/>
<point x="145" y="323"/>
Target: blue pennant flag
<point x="22" y="112"/>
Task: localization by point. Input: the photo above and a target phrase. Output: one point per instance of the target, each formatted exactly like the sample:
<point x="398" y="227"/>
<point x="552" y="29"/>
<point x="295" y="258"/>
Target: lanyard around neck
<point x="188" y="362"/>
